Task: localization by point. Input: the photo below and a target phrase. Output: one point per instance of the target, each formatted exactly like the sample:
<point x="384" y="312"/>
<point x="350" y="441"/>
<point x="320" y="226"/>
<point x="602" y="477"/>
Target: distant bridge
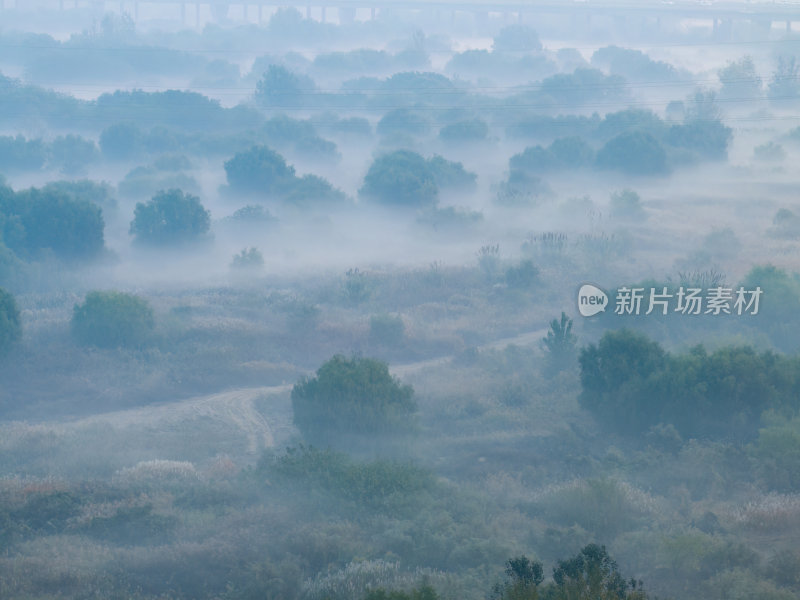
<point x="721" y="13"/>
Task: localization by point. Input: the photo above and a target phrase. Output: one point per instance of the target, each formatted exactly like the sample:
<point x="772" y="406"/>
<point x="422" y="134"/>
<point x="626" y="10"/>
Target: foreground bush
<point x="10" y="327"/>
<point x="356" y="395"/>
<point x="112" y="320"/>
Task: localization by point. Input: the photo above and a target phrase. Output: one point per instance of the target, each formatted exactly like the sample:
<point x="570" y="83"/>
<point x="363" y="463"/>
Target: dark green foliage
<point x="46" y="512"/>
<point x="19" y="154"/>
<point x="523" y="576"/>
<point x="403" y="121"/>
<point x="424" y="592"/>
<point x="37" y="220"/>
<point x="777" y="451"/>
<point x="635" y="153"/>
<point x="631" y="384"/>
<point x="121" y="141"/>
<point x="401" y="178"/>
<point x="784" y="88"/>
<point x="450" y="174"/>
<point x="101" y="194"/>
<point x="560" y="343"/>
<point x="626" y="204"/>
<point x="583" y="86"/>
<point x="280" y="88"/>
<point x="171" y="217"/>
<point x="571" y="152"/>
<point x="378" y="484"/>
<point x="252" y="213"/>
<point x="10" y="326"/>
<point x="260" y="170"/>
<point x="634" y="65"/>
<point x="356" y="395"/>
<point x="524" y="276"/>
<point x="112" y="320"/>
<point x="779" y="305"/>
<point x="474" y="130"/>
<point x="630" y="120"/>
<point x="313" y="190"/>
<point x="708" y="138"/>
<point x="248" y="259"/>
<point x="563" y="153"/>
<point x="593" y="575"/>
<point x="282" y="129"/>
<point x="72" y="153"/>
<point x="739" y="80"/>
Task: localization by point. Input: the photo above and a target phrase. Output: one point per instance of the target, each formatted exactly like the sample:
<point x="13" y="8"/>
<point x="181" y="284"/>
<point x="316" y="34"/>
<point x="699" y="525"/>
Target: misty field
<point x="290" y="308"/>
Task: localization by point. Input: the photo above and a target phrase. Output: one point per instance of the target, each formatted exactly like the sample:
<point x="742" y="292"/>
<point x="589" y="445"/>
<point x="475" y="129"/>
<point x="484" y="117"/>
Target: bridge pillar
<point x="308" y="12"/>
<point x="788" y="27"/>
<point x="197" y="15"/>
<point x="183" y="13"/>
<point x="323" y="14"/>
<point x="372" y="13"/>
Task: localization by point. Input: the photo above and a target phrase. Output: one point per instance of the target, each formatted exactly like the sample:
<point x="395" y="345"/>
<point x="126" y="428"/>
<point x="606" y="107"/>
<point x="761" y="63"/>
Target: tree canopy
<point x="112" y="320"/>
<point x="10" y="326"/>
<point x="401" y="178"/>
<point x="171" y="217"/>
<point x="351" y="395"/>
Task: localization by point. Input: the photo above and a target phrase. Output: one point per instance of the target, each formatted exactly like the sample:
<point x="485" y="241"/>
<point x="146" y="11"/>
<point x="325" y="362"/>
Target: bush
<point x="401" y="178"/>
<point x="112" y="320"/>
<point x="259" y="170"/>
<point x="630" y="384"/>
<point x="635" y="153"/>
<point x="626" y="204"/>
<point x="51" y="219"/>
<point x="249" y="259"/>
<point x="171" y="217"/>
<point x="356" y="395"/>
<point x="10" y="326"/>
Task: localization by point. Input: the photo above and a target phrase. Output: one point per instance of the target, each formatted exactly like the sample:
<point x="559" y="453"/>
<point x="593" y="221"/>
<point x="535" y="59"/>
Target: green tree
<point x="356" y="395"/>
<point x="635" y="152"/>
<point x="740" y="80"/>
<point x="112" y="319"/>
<point x="785" y="85"/>
<point x="37" y="220"/>
<point x="593" y="575"/>
<point x="259" y="169"/>
<point x="171" y="217"/>
<point x="121" y="141"/>
<point x="523" y="577"/>
<point x="560" y="343"/>
<point x="401" y="178"/>
<point x="10" y="325"/>
<point x="280" y="88"/>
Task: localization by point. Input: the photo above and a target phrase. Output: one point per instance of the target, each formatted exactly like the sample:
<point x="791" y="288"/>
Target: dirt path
<point x="238" y="407"/>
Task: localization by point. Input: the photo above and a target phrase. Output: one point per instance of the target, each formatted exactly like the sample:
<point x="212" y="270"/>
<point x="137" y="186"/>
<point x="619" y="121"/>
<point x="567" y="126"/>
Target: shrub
<point x="112" y="319"/>
<point x="248" y="259"/>
<point x="356" y="395"/>
<point x="626" y="204"/>
<point x="10" y="326"/>
<point x="171" y="217"/>
<point x="401" y="178"/>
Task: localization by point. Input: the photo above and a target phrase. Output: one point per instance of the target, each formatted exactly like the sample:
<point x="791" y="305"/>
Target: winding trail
<point x="238" y="407"/>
